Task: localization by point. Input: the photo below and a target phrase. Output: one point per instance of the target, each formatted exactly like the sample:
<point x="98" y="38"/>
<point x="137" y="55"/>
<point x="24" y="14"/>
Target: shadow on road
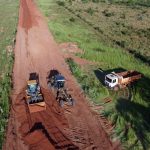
<point x="40" y="126"/>
<point x="52" y="73"/>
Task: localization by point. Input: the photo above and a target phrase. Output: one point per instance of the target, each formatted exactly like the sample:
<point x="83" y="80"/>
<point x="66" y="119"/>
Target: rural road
<point x="55" y="128"/>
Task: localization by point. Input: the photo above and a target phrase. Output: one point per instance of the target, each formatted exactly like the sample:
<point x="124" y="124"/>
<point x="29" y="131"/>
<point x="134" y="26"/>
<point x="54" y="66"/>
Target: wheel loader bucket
<point x="36" y="105"/>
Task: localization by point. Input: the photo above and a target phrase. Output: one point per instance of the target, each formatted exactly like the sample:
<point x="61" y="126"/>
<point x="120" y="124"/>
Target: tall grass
<point x="132" y="2"/>
<point x="129" y="115"/>
<point x="127" y="2"/>
<point x="116" y="28"/>
<point x="8" y="17"/>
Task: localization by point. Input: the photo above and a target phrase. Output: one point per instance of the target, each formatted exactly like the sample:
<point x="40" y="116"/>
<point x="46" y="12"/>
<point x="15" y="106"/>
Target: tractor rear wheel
<point x="49" y="84"/>
<point x="72" y="102"/>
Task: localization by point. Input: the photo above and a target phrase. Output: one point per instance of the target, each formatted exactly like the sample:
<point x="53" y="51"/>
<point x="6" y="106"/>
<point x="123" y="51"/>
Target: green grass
<point x="127" y="2"/>
<point x="133" y="2"/>
<point x="130" y="117"/>
<point x="89" y="84"/>
<point x="119" y="26"/>
<point x="8" y="17"/>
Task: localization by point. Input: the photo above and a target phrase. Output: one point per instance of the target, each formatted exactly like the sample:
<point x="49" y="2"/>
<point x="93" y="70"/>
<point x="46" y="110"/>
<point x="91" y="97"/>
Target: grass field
<point x="145" y="3"/>
<point x="130" y="114"/>
<point x="8" y="23"/>
<point x="117" y="25"/>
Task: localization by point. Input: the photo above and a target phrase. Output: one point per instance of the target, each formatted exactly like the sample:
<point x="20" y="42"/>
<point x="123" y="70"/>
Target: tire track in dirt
<point x="55" y="128"/>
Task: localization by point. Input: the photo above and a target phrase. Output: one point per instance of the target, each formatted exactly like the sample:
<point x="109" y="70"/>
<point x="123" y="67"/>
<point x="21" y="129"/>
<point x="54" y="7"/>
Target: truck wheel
<point x="72" y="102"/>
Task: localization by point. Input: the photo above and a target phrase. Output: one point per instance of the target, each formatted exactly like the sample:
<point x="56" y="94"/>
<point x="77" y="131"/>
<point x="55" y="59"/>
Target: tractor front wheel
<point x="72" y="102"/>
<point x="61" y="103"/>
<point x="49" y="84"/>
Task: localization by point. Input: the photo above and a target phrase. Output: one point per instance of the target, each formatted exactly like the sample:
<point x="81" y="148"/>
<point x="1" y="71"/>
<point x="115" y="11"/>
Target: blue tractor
<point x="57" y="82"/>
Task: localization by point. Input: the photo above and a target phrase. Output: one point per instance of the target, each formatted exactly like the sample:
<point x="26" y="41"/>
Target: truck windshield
<point x="108" y="79"/>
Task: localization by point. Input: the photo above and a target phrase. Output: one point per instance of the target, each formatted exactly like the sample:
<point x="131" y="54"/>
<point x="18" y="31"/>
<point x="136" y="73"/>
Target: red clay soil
<point x="55" y="128"/>
<point x="70" y="49"/>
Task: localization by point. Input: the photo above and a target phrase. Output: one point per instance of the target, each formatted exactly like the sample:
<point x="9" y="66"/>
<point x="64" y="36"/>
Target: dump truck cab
<point x="111" y="80"/>
<point x="59" y="81"/>
<point x="122" y="79"/>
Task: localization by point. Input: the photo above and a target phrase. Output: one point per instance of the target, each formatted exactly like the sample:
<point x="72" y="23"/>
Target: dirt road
<point x="56" y="128"/>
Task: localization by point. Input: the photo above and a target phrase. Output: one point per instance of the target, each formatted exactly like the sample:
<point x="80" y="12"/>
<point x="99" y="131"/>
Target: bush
<point x="121" y="43"/>
<point x="95" y="1"/>
<point x="90" y="11"/>
<point x="60" y="3"/>
<point x="85" y="1"/>
<point x="72" y="19"/>
<point x="107" y="13"/>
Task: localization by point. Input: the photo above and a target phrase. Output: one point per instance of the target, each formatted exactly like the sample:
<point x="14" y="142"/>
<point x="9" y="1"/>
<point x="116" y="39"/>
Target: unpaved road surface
<point x="55" y="128"/>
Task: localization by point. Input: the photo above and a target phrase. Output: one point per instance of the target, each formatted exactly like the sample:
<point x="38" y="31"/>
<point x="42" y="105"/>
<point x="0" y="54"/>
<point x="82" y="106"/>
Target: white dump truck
<point x="122" y="79"/>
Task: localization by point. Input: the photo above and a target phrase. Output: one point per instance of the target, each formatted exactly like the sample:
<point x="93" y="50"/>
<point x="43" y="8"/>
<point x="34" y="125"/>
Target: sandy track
<point x="56" y="128"/>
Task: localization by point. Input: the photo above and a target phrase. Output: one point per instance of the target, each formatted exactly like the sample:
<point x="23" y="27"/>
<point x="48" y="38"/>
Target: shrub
<point x="90" y="11"/>
<point x="107" y="13"/>
<point x="60" y="3"/>
<point x="85" y="1"/>
<point x="95" y="1"/>
<point x="72" y="19"/>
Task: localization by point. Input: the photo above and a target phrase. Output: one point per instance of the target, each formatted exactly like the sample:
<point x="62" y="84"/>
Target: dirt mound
<point x="46" y="125"/>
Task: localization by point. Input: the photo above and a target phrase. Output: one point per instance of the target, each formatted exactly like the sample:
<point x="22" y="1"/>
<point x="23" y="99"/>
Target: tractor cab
<point x="59" y="81"/>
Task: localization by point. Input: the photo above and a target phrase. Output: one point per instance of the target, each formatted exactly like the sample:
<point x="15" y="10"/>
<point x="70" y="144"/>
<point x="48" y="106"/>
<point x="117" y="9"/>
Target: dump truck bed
<point x="128" y="76"/>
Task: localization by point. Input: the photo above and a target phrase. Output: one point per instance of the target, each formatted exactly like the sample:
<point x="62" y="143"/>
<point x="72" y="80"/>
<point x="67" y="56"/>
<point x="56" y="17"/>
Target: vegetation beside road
<point x="134" y="3"/>
<point x="145" y="3"/>
<point x="119" y="26"/>
<point x="8" y="24"/>
<point x="128" y="113"/>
